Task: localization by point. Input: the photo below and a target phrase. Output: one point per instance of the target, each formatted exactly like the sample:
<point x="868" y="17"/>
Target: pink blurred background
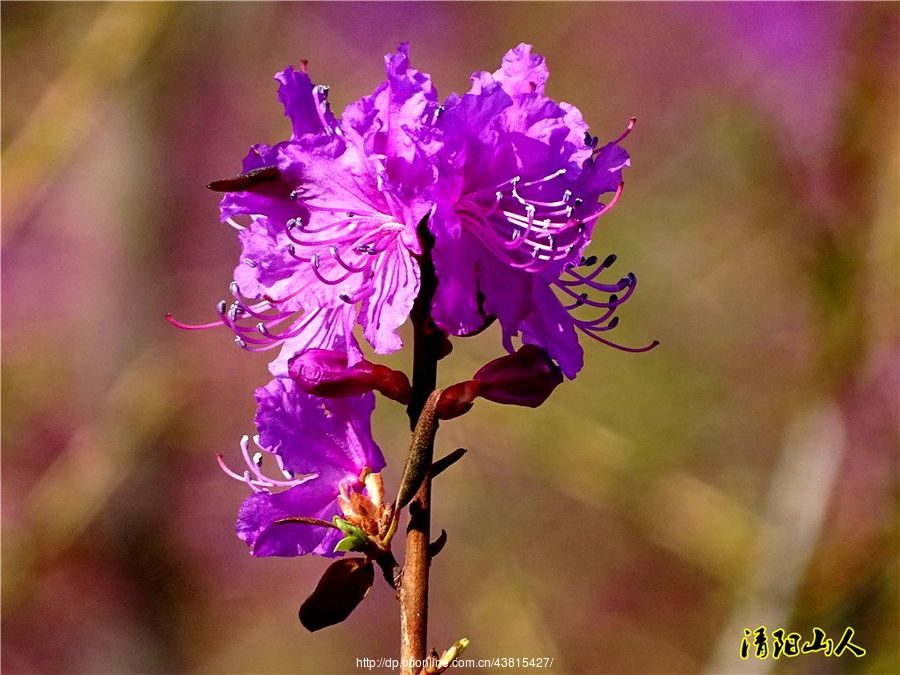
<point x="744" y="473"/>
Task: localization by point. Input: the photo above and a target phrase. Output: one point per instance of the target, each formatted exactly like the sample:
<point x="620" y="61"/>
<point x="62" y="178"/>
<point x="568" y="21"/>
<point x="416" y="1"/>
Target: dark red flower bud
<point x="324" y="372"/>
<point x="524" y="378"/>
<point x="457" y="399"/>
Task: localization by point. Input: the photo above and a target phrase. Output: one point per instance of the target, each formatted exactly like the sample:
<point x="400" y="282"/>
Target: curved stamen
<point x="322" y="278"/>
<point x="624" y="134"/>
<point x="292" y="251"/>
<point x="605" y="265"/>
<point x="297" y="223"/>
<point x="621" y="284"/>
<point x="289" y="231"/>
<point x="350" y="268"/>
<point x="235" y="290"/>
<point x="191" y="326"/>
<point x="614" y="300"/>
<point x="295" y="330"/>
<point x="597" y="324"/>
<point x="320" y="91"/>
<point x="519" y="237"/>
<point x="278" y="301"/>
<point x="612" y="203"/>
<point x="259" y="480"/>
<point x="491" y="239"/>
<point x="241" y="307"/>
<point x="536" y="181"/>
<point x="615" y="345"/>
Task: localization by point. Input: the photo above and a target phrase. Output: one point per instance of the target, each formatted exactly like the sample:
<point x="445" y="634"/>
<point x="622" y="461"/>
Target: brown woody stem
<point x="427" y="344"/>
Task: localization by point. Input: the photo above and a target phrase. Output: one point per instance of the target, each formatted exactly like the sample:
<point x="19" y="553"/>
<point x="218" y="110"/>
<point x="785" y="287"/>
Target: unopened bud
<point x="457" y="399"/>
<point x="324" y="372"/>
<point x="524" y="378"/>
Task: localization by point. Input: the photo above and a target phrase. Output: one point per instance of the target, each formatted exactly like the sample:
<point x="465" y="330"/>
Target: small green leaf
<point x="347" y="528"/>
<point x="351" y="543"/>
<point x="345" y="544"/>
<point x="355" y="540"/>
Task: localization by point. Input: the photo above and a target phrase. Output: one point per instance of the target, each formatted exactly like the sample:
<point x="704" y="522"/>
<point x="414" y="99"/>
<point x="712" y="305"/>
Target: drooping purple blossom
<point x="520" y="179"/>
<point x="324" y="449"/>
<point x="331" y="236"/>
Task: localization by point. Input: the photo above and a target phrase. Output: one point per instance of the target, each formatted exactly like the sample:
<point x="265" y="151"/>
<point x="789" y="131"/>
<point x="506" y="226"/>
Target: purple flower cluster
<point x="509" y="183"/>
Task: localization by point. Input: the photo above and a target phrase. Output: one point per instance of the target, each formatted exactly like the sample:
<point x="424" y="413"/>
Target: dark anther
<point x="589" y="261"/>
<point x="578" y="202"/>
<point x="345" y="298"/>
<point x="613" y="322"/>
<point x="610" y="259"/>
<point x="245" y="180"/>
<point x="587" y="138"/>
<point x="437" y="545"/>
<point x="295" y="194"/>
<point x="613" y="299"/>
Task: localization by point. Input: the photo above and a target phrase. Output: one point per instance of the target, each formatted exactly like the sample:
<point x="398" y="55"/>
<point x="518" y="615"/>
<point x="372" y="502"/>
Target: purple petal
<point x="296" y="93"/>
<point x="320" y="328"/>
<point x="455" y="307"/>
<point x="314" y="499"/>
<point x="507" y="294"/>
<point x="328" y="437"/>
<point x="395" y="286"/>
<point x="550" y="326"/>
<point x="522" y="72"/>
<point x="606" y="172"/>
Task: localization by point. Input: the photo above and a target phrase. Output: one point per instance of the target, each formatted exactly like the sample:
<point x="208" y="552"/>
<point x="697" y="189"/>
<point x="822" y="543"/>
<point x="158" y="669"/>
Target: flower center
<point x="529" y="224"/>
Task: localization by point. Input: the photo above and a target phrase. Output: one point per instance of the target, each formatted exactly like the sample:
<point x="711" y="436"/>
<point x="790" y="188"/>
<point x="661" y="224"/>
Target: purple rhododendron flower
<point x="517" y="197"/>
<point x="325" y="449"/>
<point x="332" y="230"/>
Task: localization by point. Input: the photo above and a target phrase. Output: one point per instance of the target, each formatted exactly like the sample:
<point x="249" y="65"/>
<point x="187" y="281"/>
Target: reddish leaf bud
<point x="458" y="399"/>
<point x="324" y="372"/>
<point x="524" y="378"/>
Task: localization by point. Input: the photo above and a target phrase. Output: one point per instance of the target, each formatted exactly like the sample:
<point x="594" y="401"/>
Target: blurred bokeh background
<point x="744" y="473"/>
